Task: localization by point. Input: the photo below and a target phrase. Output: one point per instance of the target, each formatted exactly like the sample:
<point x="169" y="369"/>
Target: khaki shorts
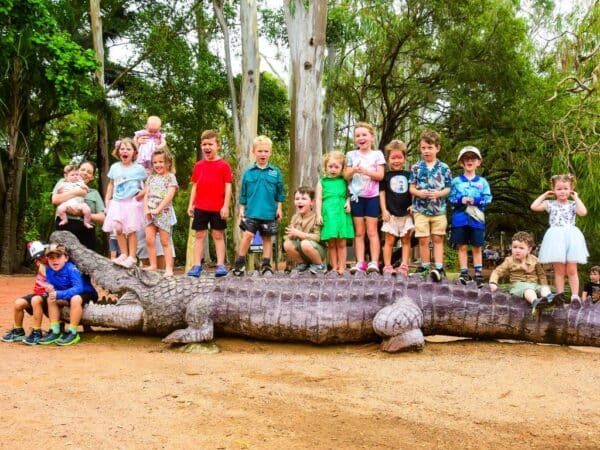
<point x="317" y="246"/>
<point x="398" y="226"/>
<point x="430" y="225"/>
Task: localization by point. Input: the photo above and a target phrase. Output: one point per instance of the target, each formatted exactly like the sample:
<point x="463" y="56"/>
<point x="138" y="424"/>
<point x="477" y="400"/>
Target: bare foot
<point x="150" y="269"/>
<point x="88" y="225"/>
<point x="168" y="274"/>
<point x="63" y="222"/>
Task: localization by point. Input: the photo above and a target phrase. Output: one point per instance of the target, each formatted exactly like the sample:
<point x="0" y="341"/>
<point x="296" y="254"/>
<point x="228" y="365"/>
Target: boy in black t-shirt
<point x="395" y="201"/>
<point x="591" y="289"/>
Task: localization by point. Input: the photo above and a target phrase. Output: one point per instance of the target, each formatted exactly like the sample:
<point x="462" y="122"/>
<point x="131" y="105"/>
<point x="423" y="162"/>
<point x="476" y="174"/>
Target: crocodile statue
<point x="321" y="309"/>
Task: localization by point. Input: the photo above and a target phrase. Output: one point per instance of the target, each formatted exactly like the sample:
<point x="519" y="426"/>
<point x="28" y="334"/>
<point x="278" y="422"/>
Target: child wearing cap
<point x="65" y="287"/>
<point x="469" y="194"/>
<point x="34" y="304"/>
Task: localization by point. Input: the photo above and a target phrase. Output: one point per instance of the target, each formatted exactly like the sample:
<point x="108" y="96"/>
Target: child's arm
<point x="376" y="174"/>
<point x="165" y="201"/>
<point x="76" y="288"/>
<point x="541" y="274"/>
<point x="584" y="294"/>
<point x="227" y="202"/>
<point x="319" y="203"/>
<point x="538" y="204"/>
<point x="580" y="208"/>
<point x="279" y="212"/>
<point x="191" y="208"/>
<point x="109" y="193"/>
<point x="163" y="142"/>
<point x="499" y="272"/>
<point x="385" y="214"/>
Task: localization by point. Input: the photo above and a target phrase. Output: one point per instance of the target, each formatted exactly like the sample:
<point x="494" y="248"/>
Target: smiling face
<point x="363" y="139"/>
<point x="562" y="190"/>
<point x="428" y="151"/>
<point x="520" y="250"/>
<point x="302" y="202"/>
<point x="210" y="148"/>
<point x="158" y="164"/>
<point x="396" y="160"/>
<point x="595" y="277"/>
<point x="262" y="153"/>
<point x="86" y="172"/>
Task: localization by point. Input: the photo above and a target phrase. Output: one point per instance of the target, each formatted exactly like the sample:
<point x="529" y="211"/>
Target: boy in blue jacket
<point x="66" y="287"/>
<point x="469" y="194"/>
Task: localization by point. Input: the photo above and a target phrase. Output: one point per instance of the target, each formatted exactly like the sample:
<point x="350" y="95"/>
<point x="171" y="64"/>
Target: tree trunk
<point x="15" y="165"/>
<point x="102" y="158"/>
<point x="329" y="125"/>
<point x="306" y="34"/>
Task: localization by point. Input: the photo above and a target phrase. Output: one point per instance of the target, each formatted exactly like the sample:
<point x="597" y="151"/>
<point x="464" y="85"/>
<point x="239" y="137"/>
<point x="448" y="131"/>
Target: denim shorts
<point x="365" y="207"/>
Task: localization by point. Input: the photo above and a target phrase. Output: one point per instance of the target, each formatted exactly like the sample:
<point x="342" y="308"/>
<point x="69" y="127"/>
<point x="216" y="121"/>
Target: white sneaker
<point x="373" y="267"/>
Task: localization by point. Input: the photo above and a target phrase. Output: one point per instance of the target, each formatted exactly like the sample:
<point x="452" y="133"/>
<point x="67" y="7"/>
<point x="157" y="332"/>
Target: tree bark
<point x="102" y="158"/>
<point x="306" y="33"/>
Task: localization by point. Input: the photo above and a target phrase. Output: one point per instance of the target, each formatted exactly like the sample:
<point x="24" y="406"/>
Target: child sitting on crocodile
<point x="302" y="239"/>
<point x="66" y="286"/>
<point x="526" y="275"/>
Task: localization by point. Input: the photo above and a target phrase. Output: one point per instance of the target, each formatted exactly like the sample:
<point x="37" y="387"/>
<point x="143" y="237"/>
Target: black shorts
<point x="87" y="236"/>
<point x="266" y="227"/>
<point x="203" y="218"/>
<point x="28" y="299"/>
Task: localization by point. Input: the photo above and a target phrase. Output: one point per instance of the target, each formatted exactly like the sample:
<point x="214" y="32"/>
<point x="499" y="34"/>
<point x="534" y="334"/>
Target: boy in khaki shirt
<point x="303" y="234"/>
<point x="526" y="275"/>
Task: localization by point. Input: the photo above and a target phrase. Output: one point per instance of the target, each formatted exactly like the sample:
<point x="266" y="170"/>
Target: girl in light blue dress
<point x="563" y="244"/>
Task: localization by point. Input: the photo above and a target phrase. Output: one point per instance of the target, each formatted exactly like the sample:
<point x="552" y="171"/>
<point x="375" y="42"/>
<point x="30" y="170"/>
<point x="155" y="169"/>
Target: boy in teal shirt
<point x="261" y="196"/>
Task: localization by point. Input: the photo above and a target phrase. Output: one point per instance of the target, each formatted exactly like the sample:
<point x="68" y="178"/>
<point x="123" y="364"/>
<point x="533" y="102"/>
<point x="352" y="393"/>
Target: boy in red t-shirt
<point x="209" y="201"/>
<point x="35" y="304"/>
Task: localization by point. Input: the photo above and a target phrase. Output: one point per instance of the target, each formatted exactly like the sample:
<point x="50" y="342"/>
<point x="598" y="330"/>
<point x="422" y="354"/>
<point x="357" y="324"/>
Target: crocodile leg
<point x="200" y="326"/>
<point x="399" y="324"/>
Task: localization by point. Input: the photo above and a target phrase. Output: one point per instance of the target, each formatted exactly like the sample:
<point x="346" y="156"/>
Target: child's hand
<point x="48" y="287"/>
<point x="292" y="232"/>
<point x="575" y="195"/>
<point x="154" y="211"/>
<point x="493" y="287"/>
<point x="224" y="212"/>
<point x="548" y="194"/>
<point x="385" y="215"/>
<point x="347" y="206"/>
<point x="468" y="201"/>
<point x="319" y="220"/>
<point x="278" y="214"/>
<point x="139" y="196"/>
<point x="190" y="211"/>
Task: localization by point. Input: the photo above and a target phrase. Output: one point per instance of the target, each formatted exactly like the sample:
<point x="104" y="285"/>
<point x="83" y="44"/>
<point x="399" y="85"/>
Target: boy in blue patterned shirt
<point x="469" y="195"/>
<point x="261" y="196"/>
<point x="430" y="181"/>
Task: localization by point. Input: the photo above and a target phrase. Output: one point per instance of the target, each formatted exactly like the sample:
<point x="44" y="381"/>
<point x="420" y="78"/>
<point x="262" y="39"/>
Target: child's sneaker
<point x="464" y="278"/>
<point x="317" y="268"/>
<point x="421" y="271"/>
<point x="239" y="269"/>
<point x="388" y="269"/>
<point x="479" y="281"/>
<point x="14" y="335"/>
<point x="538" y="305"/>
<point x="33" y="338"/>
<point x="69" y="338"/>
<point x="129" y="262"/>
<point x="373" y="267"/>
<point x="266" y="268"/>
<point x="403" y="269"/>
<point x="437" y="275"/>
<point x="50" y="338"/>
<point x="302" y="267"/>
<point x="119" y="260"/>
<point x="195" y="271"/>
<point x="220" y="271"/>
<point x="360" y="266"/>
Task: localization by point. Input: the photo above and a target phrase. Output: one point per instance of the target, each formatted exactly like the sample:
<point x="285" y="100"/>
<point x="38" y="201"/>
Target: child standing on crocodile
<point x="124" y="205"/>
<point x="563" y="244"/>
<point x="332" y="209"/>
<point x="395" y="201"/>
<point x="158" y="208"/>
<point x="261" y="197"/>
<point x="365" y="168"/>
<point x="209" y="202"/>
<point x="430" y="182"/>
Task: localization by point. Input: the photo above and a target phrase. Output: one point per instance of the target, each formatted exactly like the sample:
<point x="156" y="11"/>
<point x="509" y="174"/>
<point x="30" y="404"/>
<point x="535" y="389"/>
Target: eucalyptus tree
<point x="44" y="74"/>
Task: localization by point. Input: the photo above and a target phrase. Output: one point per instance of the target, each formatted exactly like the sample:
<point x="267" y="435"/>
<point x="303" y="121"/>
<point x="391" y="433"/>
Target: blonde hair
<point x="563" y="178"/>
<point x="262" y="139"/>
<point x="123" y="142"/>
<point x="169" y="159"/>
<point x="366" y="125"/>
<point x="395" y="145"/>
<point x="70" y="168"/>
<point x="335" y="155"/>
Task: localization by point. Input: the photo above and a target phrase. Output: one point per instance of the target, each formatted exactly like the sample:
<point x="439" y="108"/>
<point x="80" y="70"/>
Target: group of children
<point x="347" y="203"/>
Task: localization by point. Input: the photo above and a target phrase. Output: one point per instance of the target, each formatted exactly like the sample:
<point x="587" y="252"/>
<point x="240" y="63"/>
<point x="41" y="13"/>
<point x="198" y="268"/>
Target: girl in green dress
<point x="333" y="210"/>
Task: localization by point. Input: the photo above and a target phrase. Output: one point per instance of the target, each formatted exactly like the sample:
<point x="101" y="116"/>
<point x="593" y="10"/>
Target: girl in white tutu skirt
<point x="124" y="195"/>
<point x="563" y="244"/>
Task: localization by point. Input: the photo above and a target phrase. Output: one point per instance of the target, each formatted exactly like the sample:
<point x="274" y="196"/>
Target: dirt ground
<point x="123" y="391"/>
